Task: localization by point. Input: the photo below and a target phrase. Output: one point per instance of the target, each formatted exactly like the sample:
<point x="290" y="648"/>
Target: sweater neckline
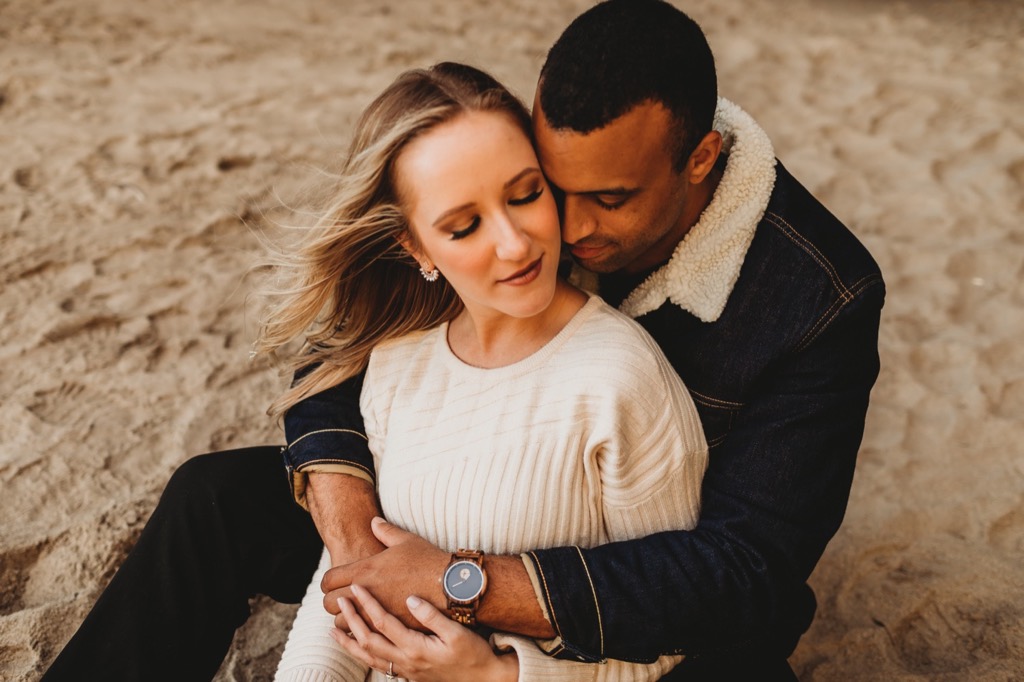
<point x="530" y="362"/>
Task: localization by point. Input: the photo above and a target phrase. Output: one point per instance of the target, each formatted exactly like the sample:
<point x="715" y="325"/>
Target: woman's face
<point x="483" y="214"/>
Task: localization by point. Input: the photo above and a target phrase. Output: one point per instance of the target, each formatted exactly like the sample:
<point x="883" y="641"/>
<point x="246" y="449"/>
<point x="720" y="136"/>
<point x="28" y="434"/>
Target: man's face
<point x="625" y="206"/>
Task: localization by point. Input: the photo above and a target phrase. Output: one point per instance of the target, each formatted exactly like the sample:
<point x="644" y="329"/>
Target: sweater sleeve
<point x="535" y="665"/>
<point x="653" y="458"/>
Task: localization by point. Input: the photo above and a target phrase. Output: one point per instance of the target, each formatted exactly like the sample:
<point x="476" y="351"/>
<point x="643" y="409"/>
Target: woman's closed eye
<point x="465" y="232"/>
<point x="518" y="201"/>
<point x="528" y="199"/>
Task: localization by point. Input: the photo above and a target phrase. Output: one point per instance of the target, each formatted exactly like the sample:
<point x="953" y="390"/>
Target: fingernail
<point x="377" y="519"/>
<point x="413" y="601"/>
<point x="341" y="603"/>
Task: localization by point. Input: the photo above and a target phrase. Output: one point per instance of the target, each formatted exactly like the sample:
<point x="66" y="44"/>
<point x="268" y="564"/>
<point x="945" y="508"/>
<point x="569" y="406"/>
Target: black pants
<point x="225" y="530"/>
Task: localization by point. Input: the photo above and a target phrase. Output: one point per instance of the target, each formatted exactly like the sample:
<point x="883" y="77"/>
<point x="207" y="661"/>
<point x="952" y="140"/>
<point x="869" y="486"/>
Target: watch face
<point x="463" y="581"/>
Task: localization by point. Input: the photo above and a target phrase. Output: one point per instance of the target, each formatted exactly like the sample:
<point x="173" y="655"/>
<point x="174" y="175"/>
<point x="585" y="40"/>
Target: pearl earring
<point x="430" y="276"/>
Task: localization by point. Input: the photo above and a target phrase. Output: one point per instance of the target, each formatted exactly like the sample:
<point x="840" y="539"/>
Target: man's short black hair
<point x="622" y="53"/>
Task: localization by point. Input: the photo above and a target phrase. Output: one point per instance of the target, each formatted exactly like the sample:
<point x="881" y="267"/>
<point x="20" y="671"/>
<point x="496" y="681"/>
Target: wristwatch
<point x="464" y="582"/>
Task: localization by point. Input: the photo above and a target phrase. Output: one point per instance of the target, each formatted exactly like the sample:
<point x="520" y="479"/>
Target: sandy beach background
<point x="139" y="139"/>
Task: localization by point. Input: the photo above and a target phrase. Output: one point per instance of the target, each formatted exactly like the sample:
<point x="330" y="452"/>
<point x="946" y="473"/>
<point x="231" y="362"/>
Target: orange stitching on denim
<point x="864" y="282"/>
<point x="791" y="233"/>
<point x="816" y="328"/>
<point x="305" y="465"/>
<point x="313" y="433"/>
<point x="860" y="285"/>
<point x="547" y="594"/>
<point x="597" y="606"/>
<point x="823" y="324"/>
<point x="846" y="294"/>
<point x="714" y="402"/>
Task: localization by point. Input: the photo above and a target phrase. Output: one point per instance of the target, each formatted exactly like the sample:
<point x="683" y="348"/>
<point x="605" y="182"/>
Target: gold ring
<point x="390" y="674"/>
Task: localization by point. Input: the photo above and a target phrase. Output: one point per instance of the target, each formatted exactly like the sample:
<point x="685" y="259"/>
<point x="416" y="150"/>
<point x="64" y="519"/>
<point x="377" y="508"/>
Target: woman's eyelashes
<point x="528" y="199"/>
<point x="520" y="201"/>
<point x="465" y="232"/>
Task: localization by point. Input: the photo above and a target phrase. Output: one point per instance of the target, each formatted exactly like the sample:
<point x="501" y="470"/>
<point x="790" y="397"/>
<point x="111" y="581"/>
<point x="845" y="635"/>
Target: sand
<point x="141" y="142"/>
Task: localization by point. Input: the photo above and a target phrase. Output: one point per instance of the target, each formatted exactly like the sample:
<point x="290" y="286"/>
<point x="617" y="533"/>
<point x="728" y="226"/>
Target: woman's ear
<point x="410" y="248"/>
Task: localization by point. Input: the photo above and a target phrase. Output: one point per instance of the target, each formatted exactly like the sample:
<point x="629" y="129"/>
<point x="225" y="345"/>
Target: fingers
<point x="385" y="623"/>
<point x="376" y="649"/>
<point x="390" y="535"/>
<point x="352" y="648"/>
<point x="432" y="619"/>
<point x="331" y="600"/>
<point x="335" y="579"/>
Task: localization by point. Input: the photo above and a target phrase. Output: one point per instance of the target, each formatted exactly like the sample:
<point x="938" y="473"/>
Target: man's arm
<point x="342" y="507"/>
<point x="774" y="494"/>
<point x="331" y="469"/>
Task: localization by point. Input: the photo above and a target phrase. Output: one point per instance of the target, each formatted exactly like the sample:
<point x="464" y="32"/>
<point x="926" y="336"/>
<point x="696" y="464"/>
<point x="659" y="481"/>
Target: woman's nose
<point x="512" y="242"/>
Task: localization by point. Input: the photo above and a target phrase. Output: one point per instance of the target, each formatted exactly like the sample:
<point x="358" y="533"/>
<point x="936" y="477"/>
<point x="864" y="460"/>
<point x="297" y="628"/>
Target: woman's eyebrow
<point x="451" y="211"/>
<point x="520" y="175"/>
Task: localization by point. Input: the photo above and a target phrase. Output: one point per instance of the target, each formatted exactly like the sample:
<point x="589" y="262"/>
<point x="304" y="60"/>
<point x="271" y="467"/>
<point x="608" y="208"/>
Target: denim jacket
<point x="781" y="372"/>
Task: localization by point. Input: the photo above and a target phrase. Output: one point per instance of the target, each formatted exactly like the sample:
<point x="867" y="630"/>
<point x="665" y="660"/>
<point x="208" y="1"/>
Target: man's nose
<point x="577" y="221"/>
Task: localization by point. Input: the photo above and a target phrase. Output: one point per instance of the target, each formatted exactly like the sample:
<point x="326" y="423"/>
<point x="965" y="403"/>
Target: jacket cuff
<point x="337" y="450"/>
<point x="298" y="479"/>
<point x="538" y="586"/>
<point x="570" y="603"/>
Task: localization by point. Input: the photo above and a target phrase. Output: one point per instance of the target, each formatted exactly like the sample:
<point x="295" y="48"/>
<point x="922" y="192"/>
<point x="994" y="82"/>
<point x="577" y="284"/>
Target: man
<point x="764" y="303"/>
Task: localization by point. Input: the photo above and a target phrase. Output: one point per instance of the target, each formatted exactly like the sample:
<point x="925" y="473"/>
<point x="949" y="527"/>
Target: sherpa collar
<point x="705" y="266"/>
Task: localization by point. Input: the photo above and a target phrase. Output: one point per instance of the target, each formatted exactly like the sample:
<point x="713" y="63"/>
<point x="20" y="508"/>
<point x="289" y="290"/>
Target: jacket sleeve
<point x="774" y="494"/>
<point x="325" y="432"/>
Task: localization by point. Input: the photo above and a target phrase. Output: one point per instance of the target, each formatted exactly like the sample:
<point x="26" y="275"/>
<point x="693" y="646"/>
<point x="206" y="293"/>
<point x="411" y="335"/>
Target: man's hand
<point x="342" y="507"/>
<point x="412" y="566"/>
<point x="408" y="566"/>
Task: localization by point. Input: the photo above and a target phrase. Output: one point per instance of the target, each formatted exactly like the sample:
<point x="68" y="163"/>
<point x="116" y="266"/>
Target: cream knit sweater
<point x="590" y="440"/>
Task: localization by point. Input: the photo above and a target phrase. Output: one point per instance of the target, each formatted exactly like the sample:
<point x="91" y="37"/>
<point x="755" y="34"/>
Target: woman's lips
<point x="524" y="276"/>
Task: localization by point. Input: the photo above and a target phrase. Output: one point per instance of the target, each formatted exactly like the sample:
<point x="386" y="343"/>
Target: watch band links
<point x="465" y="615"/>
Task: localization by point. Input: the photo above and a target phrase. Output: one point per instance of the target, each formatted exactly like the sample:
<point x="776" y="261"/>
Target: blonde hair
<point x="349" y="284"/>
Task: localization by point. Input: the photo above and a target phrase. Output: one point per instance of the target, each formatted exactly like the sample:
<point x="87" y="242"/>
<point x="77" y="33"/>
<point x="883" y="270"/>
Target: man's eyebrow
<point x="611" y="191"/>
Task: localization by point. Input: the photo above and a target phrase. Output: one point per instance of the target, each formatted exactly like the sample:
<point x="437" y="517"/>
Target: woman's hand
<point x="451" y="653"/>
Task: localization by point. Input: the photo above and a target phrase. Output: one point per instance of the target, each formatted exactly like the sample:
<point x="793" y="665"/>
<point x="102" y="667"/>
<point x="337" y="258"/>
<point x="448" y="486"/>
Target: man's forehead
<point x="619" y="156"/>
<point x="580" y="164"/>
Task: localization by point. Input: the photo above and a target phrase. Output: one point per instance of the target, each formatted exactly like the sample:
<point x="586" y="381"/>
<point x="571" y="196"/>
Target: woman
<point x="505" y="408"/>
